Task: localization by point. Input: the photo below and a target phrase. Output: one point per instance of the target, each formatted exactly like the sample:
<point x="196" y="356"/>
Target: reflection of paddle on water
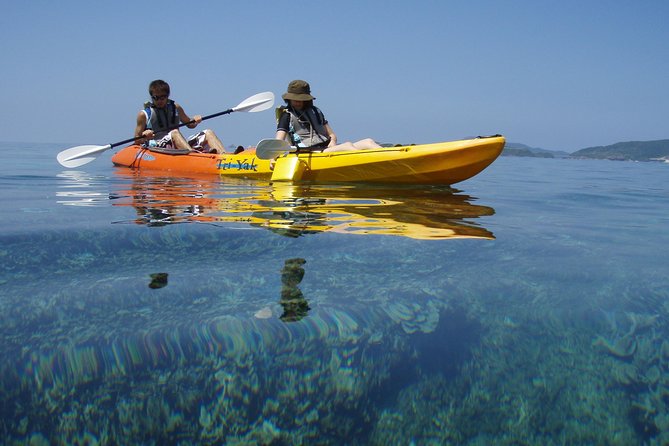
<point x="295" y="306"/>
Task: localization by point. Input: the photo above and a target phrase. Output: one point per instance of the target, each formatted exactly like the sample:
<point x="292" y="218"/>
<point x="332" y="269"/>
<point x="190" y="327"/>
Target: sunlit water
<point x="528" y="305"/>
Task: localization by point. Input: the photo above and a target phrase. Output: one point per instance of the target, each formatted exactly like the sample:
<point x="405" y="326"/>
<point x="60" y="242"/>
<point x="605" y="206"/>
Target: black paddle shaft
<point x="204" y="118"/>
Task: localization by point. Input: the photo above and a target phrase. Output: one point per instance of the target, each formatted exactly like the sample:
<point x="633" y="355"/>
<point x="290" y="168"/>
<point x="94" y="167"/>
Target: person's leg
<point x="178" y="140"/>
<point x="341" y="147"/>
<point x="367" y="143"/>
<point x="213" y="141"/>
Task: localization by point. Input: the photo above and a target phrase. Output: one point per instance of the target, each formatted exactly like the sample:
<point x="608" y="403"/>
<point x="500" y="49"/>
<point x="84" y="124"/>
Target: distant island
<point x="517" y="149"/>
<point x="622" y="151"/>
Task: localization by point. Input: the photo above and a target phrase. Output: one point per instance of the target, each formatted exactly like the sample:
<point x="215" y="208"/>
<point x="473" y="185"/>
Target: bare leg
<point x="341" y="147"/>
<point x="213" y="141"/>
<point x="367" y="143"/>
<point x="178" y="140"/>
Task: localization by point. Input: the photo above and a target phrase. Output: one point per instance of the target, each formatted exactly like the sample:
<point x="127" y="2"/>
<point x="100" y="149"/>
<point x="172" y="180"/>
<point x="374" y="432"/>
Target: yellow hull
<point x="439" y="163"/>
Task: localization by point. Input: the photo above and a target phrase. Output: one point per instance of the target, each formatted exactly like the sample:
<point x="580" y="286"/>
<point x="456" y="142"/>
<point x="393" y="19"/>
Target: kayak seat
<point x="170" y="151"/>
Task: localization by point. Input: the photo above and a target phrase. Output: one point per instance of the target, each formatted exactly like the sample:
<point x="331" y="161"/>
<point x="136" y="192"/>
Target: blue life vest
<point x="161" y="119"/>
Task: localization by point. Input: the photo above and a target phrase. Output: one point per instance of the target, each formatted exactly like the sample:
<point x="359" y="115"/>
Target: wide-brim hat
<point x="298" y="90"/>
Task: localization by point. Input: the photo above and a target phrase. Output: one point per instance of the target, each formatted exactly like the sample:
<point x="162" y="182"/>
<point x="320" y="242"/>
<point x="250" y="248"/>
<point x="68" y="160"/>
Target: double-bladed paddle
<point x="80" y="155"/>
<point x="271" y="148"/>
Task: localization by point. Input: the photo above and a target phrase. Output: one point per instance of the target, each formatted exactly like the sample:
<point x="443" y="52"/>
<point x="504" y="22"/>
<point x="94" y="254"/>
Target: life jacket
<point x="161" y="119"/>
<point x="307" y="127"/>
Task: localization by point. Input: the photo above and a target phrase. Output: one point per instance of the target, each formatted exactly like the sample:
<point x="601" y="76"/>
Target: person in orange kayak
<point x="162" y="114"/>
<point x="304" y="126"/>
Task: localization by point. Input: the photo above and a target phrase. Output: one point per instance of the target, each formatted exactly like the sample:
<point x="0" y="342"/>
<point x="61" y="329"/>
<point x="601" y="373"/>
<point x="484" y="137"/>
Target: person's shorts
<point x="197" y="142"/>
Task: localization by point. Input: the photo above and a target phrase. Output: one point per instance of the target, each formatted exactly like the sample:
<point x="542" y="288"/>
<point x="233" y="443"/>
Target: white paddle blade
<point x="257" y="102"/>
<point x="80" y="155"/>
<point x="270" y="148"/>
<point x="71" y="164"/>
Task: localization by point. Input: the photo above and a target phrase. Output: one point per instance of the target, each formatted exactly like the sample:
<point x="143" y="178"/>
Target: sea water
<point x="528" y="305"/>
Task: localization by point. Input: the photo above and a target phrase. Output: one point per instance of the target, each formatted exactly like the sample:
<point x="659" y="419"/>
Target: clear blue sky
<point x="554" y="74"/>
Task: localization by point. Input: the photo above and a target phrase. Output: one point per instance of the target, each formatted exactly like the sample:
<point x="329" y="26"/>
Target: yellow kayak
<point x="438" y="163"/>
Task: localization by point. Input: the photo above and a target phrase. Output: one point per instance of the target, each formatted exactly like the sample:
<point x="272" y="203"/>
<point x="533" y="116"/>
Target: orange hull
<point x="244" y="165"/>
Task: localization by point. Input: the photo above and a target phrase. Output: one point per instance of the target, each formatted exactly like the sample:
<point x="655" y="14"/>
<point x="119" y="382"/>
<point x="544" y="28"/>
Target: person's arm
<point x="282" y="127"/>
<point x="331" y="134"/>
<point x="184" y="118"/>
<point x="141" y="130"/>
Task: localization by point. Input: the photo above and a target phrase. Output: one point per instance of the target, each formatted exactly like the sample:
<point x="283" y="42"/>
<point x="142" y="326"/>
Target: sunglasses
<point x="158" y="98"/>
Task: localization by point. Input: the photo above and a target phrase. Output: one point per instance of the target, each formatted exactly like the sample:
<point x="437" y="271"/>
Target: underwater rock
<point x="625" y="374"/>
<point x="640" y="322"/>
<point x="263" y="313"/>
<point x="205" y="418"/>
<point x="621" y="348"/>
<point x="158" y="280"/>
<point x="294" y="309"/>
<point x="664" y="349"/>
<point x="510" y="323"/>
<point x="312" y="416"/>
<point x="644" y="405"/>
<point x="38" y="440"/>
<point x="399" y="312"/>
<point x="646" y="350"/>
<point x="295" y="306"/>
<point x="662" y="422"/>
<point x="292" y="272"/>
<point x="653" y="375"/>
<point x="375" y="338"/>
<point x="414" y="317"/>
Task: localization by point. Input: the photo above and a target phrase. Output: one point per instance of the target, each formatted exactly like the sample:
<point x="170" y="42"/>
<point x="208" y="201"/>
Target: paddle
<point x="270" y="148"/>
<point x="80" y="155"/>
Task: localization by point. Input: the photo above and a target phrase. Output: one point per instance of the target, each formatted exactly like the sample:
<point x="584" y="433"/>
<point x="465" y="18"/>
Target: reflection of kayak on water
<point x="441" y="163"/>
<point x="421" y="212"/>
<point x="418" y="213"/>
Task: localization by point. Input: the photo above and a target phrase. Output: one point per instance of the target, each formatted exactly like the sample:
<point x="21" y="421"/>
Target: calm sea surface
<point x="528" y="305"/>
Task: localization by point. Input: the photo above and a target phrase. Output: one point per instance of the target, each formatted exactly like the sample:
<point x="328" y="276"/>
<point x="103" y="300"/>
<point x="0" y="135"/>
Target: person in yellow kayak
<point x="162" y="114"/>
<point x="304" y="126"/>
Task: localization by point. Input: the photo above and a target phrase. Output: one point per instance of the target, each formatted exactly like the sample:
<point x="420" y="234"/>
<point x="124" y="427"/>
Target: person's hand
<point x="146" y="135"/>
<point x="197" y="119"/>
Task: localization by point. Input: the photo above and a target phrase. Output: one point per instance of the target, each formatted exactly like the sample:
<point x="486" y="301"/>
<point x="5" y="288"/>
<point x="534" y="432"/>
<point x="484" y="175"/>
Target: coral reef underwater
<point x="268" y="340"/>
